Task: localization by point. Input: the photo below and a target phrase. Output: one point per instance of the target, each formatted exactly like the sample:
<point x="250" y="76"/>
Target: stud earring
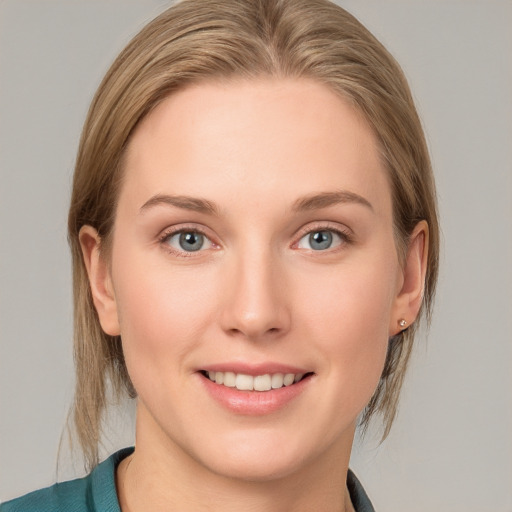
<point x="402" y="323"/>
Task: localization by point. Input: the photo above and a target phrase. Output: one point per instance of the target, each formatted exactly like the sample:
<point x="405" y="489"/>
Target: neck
<point x="161" y="476"/>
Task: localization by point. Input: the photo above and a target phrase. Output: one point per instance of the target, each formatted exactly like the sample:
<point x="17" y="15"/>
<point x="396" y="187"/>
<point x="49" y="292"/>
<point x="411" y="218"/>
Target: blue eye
<point x="320" y="240"/>
<point x="188" y="241"/>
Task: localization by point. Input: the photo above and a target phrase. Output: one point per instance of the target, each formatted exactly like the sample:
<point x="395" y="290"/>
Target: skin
<point x="258" y="291"/>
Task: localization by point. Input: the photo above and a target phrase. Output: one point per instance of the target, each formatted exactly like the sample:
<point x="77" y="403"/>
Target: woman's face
<point x="253" y="246"/>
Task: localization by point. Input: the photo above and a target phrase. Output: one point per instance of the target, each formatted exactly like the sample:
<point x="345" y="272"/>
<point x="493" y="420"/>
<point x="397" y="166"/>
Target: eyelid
<point x="184" y="228"/>
<point x="343" y="232"/>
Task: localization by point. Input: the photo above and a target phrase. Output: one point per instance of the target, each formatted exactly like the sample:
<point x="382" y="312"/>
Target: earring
<point x="402" y="323"/>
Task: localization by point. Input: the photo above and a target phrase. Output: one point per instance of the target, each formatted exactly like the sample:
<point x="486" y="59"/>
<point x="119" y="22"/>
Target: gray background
<point x="451" y="447"/>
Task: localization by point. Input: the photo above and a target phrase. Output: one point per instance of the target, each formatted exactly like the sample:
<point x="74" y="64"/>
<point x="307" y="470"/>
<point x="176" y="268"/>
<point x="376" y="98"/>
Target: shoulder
<point x="72" y="495"/>
<point x="94" y="493"/>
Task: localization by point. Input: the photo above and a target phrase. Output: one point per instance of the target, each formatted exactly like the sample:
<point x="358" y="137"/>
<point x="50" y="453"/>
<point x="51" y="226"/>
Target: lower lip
<point x="254" y="403"/>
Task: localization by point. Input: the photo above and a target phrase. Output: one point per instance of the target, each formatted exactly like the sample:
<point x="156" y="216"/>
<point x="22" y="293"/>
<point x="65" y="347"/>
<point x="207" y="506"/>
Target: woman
<point x="254" y="236"/>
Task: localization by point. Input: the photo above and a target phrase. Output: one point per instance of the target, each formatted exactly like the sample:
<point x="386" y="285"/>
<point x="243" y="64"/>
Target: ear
<point x="100" y="280"/>
<point x="412" y="280"/>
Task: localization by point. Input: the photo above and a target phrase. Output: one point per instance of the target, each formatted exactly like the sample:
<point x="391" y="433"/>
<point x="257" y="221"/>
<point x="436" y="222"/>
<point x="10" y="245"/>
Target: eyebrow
<point x="307" y="203"/>
<point x="195" y="204"/>
<point x="326" y="199"/>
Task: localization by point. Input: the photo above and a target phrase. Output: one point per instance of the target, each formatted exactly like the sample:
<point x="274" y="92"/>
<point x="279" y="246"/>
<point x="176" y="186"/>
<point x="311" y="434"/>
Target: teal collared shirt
<point x="97" y="492"/>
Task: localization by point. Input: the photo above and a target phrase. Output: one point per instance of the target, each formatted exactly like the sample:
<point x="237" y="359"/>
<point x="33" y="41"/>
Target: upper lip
<point x="254" y="369"/>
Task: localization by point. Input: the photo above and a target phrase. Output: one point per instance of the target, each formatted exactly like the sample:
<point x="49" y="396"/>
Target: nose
<point x="255" y="298"/>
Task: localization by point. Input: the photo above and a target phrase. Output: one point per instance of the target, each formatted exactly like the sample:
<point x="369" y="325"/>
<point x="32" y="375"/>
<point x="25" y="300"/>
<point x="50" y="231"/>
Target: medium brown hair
<point x="197" y="40"/>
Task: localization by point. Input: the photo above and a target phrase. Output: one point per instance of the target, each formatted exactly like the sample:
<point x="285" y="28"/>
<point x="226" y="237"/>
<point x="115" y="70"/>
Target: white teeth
<point x="229" y="379"/>
<point x="245" y="382"/>
<point x="277" y="380"/>
<point x="262" y="383"/>
<point x="288" y="379"/>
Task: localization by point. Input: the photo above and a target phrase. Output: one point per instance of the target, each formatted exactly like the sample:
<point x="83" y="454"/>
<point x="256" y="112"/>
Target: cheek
<point x="348" y="314"/>
<point x="355" y="298"/>
<point x="162" y="312"/>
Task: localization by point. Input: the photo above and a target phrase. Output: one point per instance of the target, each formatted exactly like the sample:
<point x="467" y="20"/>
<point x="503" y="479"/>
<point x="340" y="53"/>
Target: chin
<point x="263" y="456"/>
<point x="256" y="470"/>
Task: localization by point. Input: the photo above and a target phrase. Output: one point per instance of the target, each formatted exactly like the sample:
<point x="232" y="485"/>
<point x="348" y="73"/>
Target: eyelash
<point x="166" y="235"/>
<point x="344" y="235"/>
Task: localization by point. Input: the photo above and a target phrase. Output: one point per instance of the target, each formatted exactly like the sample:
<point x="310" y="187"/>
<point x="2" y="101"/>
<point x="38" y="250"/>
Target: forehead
<point x="271" y="137"/>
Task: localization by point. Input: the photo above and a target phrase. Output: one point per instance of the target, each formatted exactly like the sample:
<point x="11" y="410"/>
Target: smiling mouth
<point x="244" y="382"/>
